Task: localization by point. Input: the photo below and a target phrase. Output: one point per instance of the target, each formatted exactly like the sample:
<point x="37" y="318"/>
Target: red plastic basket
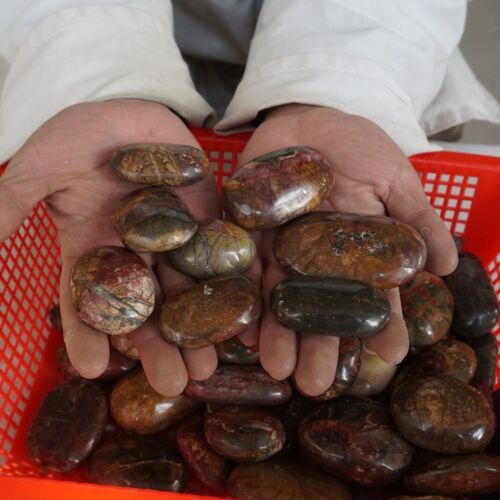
<point x="464" y="189"/>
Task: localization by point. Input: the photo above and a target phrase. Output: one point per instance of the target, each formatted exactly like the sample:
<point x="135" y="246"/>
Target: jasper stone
<point x="442" y="414"/>
<point x="240" y="385"/>
<point x="278" y="480"/>
<point x="218" y="248"/>
<point x="55" y="317"/>
<point x="234" y="352"/>
<point x="355" y="439"/>
<point x="375" y="249"/>
<point x="112" y="289"/>
<point x="276" y="187"/>
<point x="495" y="443"/>
<point x="137" y="462"/>
<point x="457" y="475"/>
<point x="340" y="307"/>
<point x="160" y="164"/>
<point x="124" y="345"/>
<point x="210" y="312"/>
<point x="244" y="434"/>
<point x="68" y="425"/>
<point x="210" y="468"/>
<point x="476" y="305"/>
<point x="153" y="219"/>
<point x="137" y="407"/>
<point x="486" y="350"/>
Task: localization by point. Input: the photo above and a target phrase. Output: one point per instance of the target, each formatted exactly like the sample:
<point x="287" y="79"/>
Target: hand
<point x="372" y="177"/>
<point x="66" y="164"/>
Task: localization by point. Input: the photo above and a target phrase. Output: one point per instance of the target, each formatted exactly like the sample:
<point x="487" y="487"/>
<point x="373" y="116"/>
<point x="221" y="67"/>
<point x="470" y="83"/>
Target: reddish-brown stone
<point x="234" y="352"/>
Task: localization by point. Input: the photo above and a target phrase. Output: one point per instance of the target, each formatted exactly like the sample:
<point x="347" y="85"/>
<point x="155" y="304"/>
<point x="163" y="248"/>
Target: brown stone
<point x="234" y="352"/>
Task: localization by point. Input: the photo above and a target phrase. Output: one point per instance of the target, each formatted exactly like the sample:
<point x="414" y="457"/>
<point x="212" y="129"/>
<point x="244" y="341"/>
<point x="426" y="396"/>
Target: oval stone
<point x="210" y="312"/>
<point x="137" y="462"/>
<point x="340" y="307"/>
<point x="137" y="407"/>
<point x="240" y="385"/>
<point x="234" y="352"/>
<point x="355" y="439"/>
<point x="160" y="164"/>
<point x="218" y="248"/>
<point x="495" y="443"/>
<point x="112" y="289"/>
<point x="244" y="434"/>
<point x="55" y="317"/>
<point x="375" y="249"/>
<point x="442" y="414"/>
<point x="153" y="219"/>
<point x="277" y="187"/>
<point x="68" y="425"/>
<point x="124" y="345"/>
<point x="486" y="350"/>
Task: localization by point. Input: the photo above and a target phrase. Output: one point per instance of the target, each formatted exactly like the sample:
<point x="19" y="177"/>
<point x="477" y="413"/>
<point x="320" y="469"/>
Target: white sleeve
<point x="61" y="52"/>
<point x="385" y="61"/>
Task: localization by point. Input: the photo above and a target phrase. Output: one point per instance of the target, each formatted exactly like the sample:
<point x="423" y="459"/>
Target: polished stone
<point x="234" y="352"/>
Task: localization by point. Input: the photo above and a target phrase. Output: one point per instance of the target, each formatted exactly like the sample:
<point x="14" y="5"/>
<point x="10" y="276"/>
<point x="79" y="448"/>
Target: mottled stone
<point x="112" y="289"/>
<point x="277" y="187"/>
<point x="375" y="249"/>
<point x="210" y="312"/>
<point x="218" y="248"/>
<point x="330" y="306"/>
<point x="153" y="219"/>
<point x="55" y="317"/>
<point x="486" y="350"/>
<point x="442" y="414"/>
<point x="68" y="425"/>
<point x="160" y="164"/>
<point x="495" y="442"/>
<point x="125" y="345"/>
<point x="355" y="439"/>
<point x="137" y="407"/>
<point x="476" y="305"/>
<point x="137" y="462"/>
<point x="244" y="434"/>
<point x="234" y="352"/>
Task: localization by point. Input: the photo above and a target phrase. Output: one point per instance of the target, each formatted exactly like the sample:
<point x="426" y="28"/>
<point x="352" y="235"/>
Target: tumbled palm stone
<point x="486" y="350"/>
<point x="55" y="317"/>
<point x="153" y="219"/>
<point x="234" y="352"/>
<point x="137" y="462"/>
<point x="330" y="306"/>
<point x="218" y="248"/>
<point x="68" y="425"/>
<point x="495" y="442"/>
<point x="240" y="385"/>
<point x="276" y="187"/>
<point x="442" y="414"/>
<point x="375" y="249"/>
<point x="137" y="407"/>
<point x="160" y="164"/>
<point x="278" y="480"/>
<point x="210" y="312"/>
<point x="124" y="344"/>
<point x="112" y="289"/>
<point x="244" y="434"/>
<point x="355" y="439"/>
<point x="476" y="305"/>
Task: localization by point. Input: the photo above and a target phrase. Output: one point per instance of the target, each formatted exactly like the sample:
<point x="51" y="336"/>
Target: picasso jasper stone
<point x="274" y="188"/>
<point x="244" y="434"/>
<point x="210" y="312"/>
<point x="476" y="305"/>
<point x="340" y="307"/>
<point x="486" y="350"/>
<point x="55" y="318"/>
<point x="68" y="425"/>
<point x="160" y="164"/>
<point x="218" y="248"/>
<point x="112" y="289"/>
<point x="375" y="249"/>
<point x="124" y="345"/>
<point x="234" y="352"/>
<point x="153" y="219"/>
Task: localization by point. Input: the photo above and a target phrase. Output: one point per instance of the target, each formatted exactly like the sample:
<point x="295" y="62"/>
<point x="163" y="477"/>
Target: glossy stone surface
<point x="112" y="289"/>
<point x="244" y="434"/>
<point x="67" y="426"/>
<point x="277" y="187"/>
<point x="160" y="164"/>
<point x="355" y="439"/>
<point x="124" y="344"/>
<point x="486" y="350"/>
<point x="210" y="312"/>
<point x="278" y="480"/>
<point x="375" y="249"/>
<point x="442" y="414"/>
<point x="495" y="442"/>
<point x="55" y="317"/>
<point x="476" y="306"/>
<point x="457" y="475"/>
<point x="137" y="407"/>
<point x="234" y="352"/>
<point x="137" y="462"/>
<point x="218" y="248"/>
<point x="330" y="306"/>
<point x="153" y="219"/>
<point x="210" y="468"/>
